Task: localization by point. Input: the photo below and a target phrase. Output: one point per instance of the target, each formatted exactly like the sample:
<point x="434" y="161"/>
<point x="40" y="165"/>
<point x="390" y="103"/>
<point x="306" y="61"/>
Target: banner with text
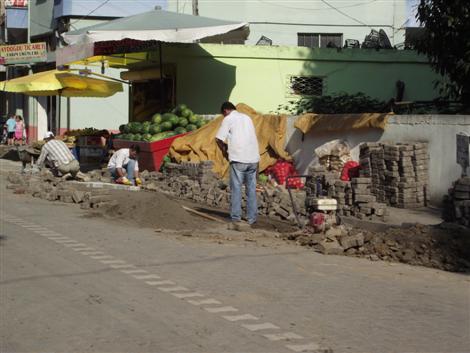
<point x="23" y="53"/>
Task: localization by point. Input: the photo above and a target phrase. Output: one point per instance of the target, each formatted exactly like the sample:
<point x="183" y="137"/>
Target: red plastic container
<point x="151" y="153"/>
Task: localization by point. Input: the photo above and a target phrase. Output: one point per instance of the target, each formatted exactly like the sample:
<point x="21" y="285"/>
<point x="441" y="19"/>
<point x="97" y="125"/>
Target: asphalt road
<point x="71" y="283"/>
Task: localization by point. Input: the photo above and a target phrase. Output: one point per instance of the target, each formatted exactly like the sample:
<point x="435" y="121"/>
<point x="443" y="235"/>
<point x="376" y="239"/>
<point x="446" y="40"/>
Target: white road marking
<point x="88" y="253"/>
<point x="122" y="266"/>
<point x="173" y="289"/>
<point x="204" y="302"/>
<point x="84" y="249"/>
<point x="148" y="276"/>
<point x="74" y="245"/>
<point x="159" y="283"/>
<point x="258" y="327"/>
<point x="303" y="347"/>
<point x="283" y="336"/>
<point x="108" y="262"/>
<point x="220" y="309"/>
<point x="100" y="257"/>
<point x="65" y="241"/>
<point x="234" y="318"/>
<point x="128" y="272"/>
<point x="187" y="295"/>
<point x="58" y="237"/>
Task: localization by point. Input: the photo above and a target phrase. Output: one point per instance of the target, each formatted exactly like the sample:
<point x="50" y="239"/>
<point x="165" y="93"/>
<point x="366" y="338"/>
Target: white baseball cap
<point x="48" y="134"/>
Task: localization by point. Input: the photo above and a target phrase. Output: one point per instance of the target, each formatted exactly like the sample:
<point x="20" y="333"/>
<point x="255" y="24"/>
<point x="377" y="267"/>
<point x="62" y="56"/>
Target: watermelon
<point x="147" y="137"/>
<point x="183" y="122"/>
<point x="130" y="137"/>
<point x="174" y="120"/>
<point x="145" y="128"/>
<point x="146" y="123"/>
<point x="137" y="137"/>
<point x="199" y="123"/>
<point x="127" y="129"/>
<point x="180" y="130"/>
<point x="166" y="126"/>
<point x="167" y="116"/>
<point x="155" y="129"/>
<point x="136" y="127"/>
<point x="179" y="108"/>
<point x="193" y="119"/>
<point x="191" y="127"/>
<point x="186" y="113"/>
<point x="157" y="118"/>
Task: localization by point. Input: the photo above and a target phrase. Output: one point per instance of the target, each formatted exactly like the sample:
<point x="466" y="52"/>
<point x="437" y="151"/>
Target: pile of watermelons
<point x="161" y="126"/>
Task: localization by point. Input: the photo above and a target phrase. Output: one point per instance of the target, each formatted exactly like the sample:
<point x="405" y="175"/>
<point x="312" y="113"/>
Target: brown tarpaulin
<point x="201" y="146"/>
<point x="341" y="122"/>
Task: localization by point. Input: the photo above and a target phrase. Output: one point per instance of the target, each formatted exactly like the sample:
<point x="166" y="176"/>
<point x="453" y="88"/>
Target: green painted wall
<point x="208" y="74"/>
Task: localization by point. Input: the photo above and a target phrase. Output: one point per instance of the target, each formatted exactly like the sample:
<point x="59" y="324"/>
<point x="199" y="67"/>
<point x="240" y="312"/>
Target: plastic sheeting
<point x="201" y="145"/>
<point x="341" y="122"/>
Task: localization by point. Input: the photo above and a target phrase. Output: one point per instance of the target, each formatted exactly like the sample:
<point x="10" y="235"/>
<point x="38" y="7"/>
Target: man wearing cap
<point x="58" y="157"/>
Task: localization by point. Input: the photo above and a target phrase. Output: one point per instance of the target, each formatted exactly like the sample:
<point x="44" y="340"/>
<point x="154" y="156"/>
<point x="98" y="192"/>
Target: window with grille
<point x="305" y="85"/>
<point x="320" y="40"/>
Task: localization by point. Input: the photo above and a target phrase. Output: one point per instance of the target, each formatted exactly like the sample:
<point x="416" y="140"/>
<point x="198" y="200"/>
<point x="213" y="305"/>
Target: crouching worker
<point x="57" y="156"/>
<point x="124" y="167"/>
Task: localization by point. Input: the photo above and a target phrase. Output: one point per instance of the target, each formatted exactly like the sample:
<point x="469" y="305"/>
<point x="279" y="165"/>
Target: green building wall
<point x="209" y="74"/>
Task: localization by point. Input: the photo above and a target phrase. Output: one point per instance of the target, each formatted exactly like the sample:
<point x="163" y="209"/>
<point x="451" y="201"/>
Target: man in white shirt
<point x="124" y="167"/>
<point x="237" y="140"/>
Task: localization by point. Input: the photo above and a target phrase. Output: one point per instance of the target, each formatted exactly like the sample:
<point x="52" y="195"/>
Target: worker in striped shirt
<point x="57" y="156"/>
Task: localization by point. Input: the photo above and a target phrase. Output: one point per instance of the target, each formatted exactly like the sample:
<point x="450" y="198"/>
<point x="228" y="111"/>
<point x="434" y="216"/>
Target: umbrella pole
<point x="59" y="115"/>
<point x="162" y="84"/>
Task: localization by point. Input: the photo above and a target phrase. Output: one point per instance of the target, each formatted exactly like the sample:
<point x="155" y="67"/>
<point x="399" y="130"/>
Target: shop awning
<point x="64" y="83"/>
<point x="143" y="31"/>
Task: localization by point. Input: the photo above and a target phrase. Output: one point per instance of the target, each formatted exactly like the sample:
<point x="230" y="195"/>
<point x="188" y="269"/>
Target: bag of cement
<point x="332" y="155"/>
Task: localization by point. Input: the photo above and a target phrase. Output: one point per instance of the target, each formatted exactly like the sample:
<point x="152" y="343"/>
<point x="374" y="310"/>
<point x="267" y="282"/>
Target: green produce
<point x="137" y="137"/>
<point x="193" y="119"/>
<point x="180" y="130"/>
<point x="166" y="126"/>
<point x="130" y="137"/>
<point x="127" y="128"/>
<point x="157" y="118"/>
<point x="122" y="127"/>
<point x="174" y="120"/>
<point x="136" y="127"/>
<point x="186" y="113"/>
<point x="182" y="122"/>
<point x="146" y="137"/>
<point x="199" y="123"/>
<point x="145" y="129"/>
<point x="167" y="116"/>
<point x="179" y="108"/>
<point x="191" y="127"/>
<point x="146" y="123"/>
<point x="121" y="137"/>
<point x="155" y="129"/>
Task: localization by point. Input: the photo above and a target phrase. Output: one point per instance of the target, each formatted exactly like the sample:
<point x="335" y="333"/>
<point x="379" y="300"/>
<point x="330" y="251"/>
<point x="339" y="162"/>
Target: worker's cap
<point x="48" y="135"/>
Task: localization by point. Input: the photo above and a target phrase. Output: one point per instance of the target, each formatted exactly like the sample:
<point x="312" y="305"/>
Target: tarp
<point x="64" y="83"/>
<point x="341" y="122"/>
<point x="201" y="146"/>
<point x="156" y="25"/>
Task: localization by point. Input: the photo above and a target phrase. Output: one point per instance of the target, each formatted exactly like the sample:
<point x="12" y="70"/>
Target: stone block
<point x="329" y="247"/>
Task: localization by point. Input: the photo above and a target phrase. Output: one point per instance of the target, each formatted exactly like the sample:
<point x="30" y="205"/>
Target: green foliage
<point x="446" y="42"/>
<point x="336" y="104"/>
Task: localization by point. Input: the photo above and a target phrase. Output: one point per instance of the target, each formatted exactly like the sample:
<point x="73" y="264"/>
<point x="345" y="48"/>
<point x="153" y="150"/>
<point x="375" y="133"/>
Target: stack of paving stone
<point x="365" y="204"/>
<point x="398" y="172"/>
<point x="457" y="202"/>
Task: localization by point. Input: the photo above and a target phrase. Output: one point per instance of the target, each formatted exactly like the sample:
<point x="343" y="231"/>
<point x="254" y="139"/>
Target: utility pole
<point x="195" y="8"/>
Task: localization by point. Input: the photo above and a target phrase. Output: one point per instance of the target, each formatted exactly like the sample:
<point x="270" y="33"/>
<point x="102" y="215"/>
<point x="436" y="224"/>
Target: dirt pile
<point x="445" y="247"/>
<point x="150" y="210"/>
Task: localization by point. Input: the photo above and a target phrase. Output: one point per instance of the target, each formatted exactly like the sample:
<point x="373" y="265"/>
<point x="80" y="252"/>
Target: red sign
<point x="16" y="3"/>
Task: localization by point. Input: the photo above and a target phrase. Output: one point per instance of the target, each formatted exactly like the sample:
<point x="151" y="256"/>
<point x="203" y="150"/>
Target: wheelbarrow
<point x="28" y="155"/>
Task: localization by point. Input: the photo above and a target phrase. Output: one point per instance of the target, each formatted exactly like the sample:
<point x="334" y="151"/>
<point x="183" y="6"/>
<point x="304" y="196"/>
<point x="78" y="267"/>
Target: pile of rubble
<point x="445" y="247"/>
<point x="398" y="172"/>
<point x="196" y="182"/>
<point x="47" y="187"/>
<point x="457" y="202"/>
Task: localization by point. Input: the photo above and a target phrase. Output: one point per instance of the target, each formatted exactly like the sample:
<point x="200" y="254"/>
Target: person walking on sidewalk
<point x="11" y="126"/>
<point x="58" y="157"/>
<point x="237" y="140"/>
<point x="124" y="167"/>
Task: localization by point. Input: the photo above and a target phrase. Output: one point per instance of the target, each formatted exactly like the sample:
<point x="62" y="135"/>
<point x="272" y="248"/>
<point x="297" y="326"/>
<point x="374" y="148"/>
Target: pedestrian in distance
<point x="19" y="130"/>
<point x="124" y="167"/>
<point x="57" y="156"/>
<point x="11" y="127"/>
<point x="237" y="139"/>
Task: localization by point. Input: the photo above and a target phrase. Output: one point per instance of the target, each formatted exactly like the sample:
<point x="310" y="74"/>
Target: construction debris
<point x="457" y="202"/>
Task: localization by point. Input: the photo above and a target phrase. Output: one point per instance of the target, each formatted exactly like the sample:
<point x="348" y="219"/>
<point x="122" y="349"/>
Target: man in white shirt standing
<point x="124" y="166"/>
<point x="237" y="140"/>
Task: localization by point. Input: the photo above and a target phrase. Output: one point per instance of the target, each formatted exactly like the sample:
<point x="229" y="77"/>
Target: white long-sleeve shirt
<point x="120" y="158"/>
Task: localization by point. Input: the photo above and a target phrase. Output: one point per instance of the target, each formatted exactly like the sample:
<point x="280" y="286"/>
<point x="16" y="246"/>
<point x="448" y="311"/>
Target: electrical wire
<point x="343" y="13"/>
<point x="315" y="9"/>
<point x="91" y="12"/>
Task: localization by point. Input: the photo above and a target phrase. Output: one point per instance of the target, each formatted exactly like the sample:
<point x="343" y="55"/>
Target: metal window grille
<point x="305" y="86"/>
<point x="319" y="40"/>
